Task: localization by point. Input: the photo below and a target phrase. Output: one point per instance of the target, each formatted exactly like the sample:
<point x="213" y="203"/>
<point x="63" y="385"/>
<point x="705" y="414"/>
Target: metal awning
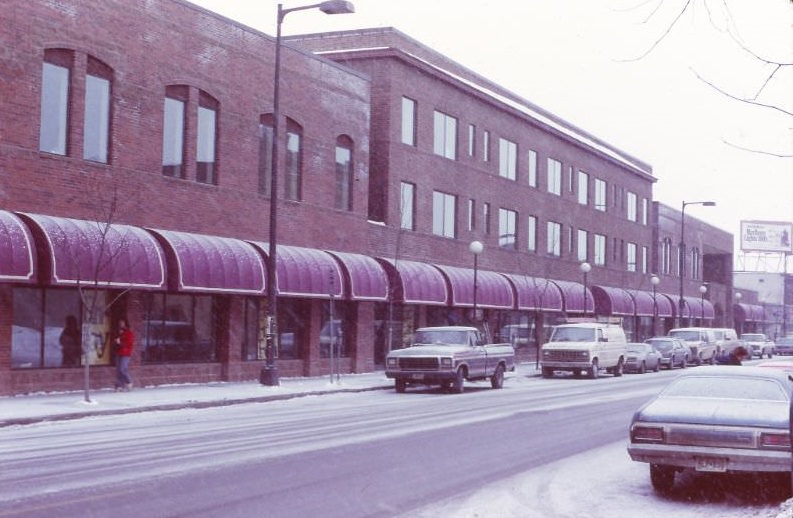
<point x="17" y="250"/>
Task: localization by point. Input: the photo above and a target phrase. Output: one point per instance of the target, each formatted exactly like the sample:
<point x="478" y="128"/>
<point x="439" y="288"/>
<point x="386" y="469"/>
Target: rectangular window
<point x="178" y="328"/>
<point x="471" y="140"/>
<point x="631" y="249"/>
<point x="293" y="176"/>
<point x="645" y="216"/>
<point x="645" y="259"/>
<point x="444" y="213"/>
<point x="583" y="188"/>
<point x="445" y="136"/>
<point x="205" y="145"/>
<point x="343" y="199"/>
<point x="471" y="215"/>
<point x="531" y="234"/>
<point x="54" y="109"/>
<point x="486" y="217"/>
<point x="506" y="228"/>
<point x="96" y="125"/>
<point x="173" y="138"/>
<point x="583" y="238"/>
<point x="486" y="146"/>
<point x="507" y="158"/>
<point x="554" y="239"/>
<point x="265" y="157"/>
<point x="600" y="195"/>
<point x="571" y="179"/>
<point x="554" y="177"/>
<point x="408" y="121"/>
<point x="599" y="255"/>
<point x="407" y="204"/>
<point x="532" y="168"/>
<point x="632" y="205"/>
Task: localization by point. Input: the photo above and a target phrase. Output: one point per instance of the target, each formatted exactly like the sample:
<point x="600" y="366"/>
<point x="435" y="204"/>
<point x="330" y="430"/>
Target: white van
<point x="585" y="346"/>
<point x="701" y="341"/>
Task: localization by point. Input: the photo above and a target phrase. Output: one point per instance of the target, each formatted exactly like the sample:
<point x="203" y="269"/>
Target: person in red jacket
<point x="124" y="343"/>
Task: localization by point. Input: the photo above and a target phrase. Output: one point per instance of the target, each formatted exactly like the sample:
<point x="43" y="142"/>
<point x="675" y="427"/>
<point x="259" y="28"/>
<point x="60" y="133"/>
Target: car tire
<point x="662" y="477"/>
<point x="400" y="385"/>
<point x="770" y="354"/>
<point x="593" y="370"/>
<point x="619" y="369"/>
<point x="547" y="372"/>
<point x="458" y="383"/>
<point x="497" y="379"/>
<point x="643" y="368"/>
<point x="658" y="366"/>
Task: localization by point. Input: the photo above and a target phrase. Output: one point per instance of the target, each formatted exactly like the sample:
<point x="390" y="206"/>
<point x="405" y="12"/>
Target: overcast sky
<point x="582" y="60"/>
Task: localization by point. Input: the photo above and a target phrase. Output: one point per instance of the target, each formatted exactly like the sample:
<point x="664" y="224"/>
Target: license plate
<point x="714" y="464"/>
<point x="417" y="376"/>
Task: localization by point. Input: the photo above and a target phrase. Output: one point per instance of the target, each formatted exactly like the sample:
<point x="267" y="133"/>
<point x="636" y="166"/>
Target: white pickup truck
<point x="447" y="356"/>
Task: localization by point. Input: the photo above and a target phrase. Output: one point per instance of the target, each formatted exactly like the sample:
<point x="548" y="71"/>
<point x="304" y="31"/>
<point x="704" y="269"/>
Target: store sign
<point x="766" y="236"/>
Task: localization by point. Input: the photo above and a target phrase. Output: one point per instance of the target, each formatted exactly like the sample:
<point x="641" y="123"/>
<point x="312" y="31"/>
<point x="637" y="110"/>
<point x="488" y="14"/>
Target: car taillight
<point x="775" y="441"/>
<point x="647" y="434"/>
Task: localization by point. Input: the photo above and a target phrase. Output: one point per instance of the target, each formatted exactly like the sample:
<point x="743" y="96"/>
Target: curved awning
<point x="203" y="263"/>
<point x="305" y="272"/>
<point x="536" y="294"/>
<point x="573" y="294"/>
<point x="79" y="252"/>
<point x="696" y="307"/>
<point x="493" y="289"/>
<point x="366" y="278"/>
<point x="612" y="301"/>
<point x="17" y="257"/>
<point x="749" y="312"/>
<point x="643" y="300"/>
<point x="416" y="282"/>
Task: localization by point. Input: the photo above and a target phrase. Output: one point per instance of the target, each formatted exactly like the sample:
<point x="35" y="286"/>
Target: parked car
<point x="715" y="419"/>
<point x="726" y="340"/>
<point x="758" y="344"/>
<point x="641" y="358"/>
<point x="784" y="345"/>
<point x="701" y="341"/>
<point x="674" y="352"/>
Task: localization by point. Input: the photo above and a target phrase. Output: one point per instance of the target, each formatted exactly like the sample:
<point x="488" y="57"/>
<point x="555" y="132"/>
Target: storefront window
<point x="179" y="328"/>
<point x="294" y="318"/>
<point x="334" y="332"/>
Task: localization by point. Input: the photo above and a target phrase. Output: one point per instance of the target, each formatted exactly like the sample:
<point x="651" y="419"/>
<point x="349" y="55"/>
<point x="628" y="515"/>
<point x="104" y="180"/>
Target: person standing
<point x="124" y="344"/>
<point x="70" y="339"/>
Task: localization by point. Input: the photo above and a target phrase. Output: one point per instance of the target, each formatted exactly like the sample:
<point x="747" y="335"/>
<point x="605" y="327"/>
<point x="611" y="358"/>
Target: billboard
<point x="766" y="236"/>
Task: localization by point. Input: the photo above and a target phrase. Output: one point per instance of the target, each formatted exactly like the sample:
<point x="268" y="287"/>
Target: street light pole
<point x="681" y="252"/>
<point x="269" y="373"/>
<point x="654" y="281"/>
<point x="585" y="268"/>
<point x="702" y="291"/>
<point x="476" y="248"/>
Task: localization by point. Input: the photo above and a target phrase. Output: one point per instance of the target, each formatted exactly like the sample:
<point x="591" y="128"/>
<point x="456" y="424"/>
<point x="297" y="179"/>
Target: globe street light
<point x="702" y="291"/>
<point x="476" y="248"/>
<point x="682" y="254"/>
<point x="585" y="268"/>
<point x="655" y="281"/>
<point x="269" y="373"/>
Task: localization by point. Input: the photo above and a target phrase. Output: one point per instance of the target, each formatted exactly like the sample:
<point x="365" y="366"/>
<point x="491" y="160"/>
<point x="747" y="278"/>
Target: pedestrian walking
<point x="124" y="344"/>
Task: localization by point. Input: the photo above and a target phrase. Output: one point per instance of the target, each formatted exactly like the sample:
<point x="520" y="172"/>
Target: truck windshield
<point x="573" y="334"/>
<point x="688" y="336"/>
<point x="441" y="337"/>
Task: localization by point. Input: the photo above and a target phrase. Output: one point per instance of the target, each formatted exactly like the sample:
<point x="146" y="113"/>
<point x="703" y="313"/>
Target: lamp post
<point x="702" y="291"/>
<point x="655" y="281"/>
<point x="682" y="254"/>
<point x="585" y="268"/>
<point x="269" y="373"/>
<point x="476" y="248"/>
<point x="738" y="296"/>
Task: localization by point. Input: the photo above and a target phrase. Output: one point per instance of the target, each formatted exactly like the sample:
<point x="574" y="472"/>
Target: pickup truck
<point x="447" y="356"/>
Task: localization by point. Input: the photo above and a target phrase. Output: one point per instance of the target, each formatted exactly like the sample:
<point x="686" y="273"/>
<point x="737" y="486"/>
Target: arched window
<point x="293" y="174"/>
<point x="265" y="153"/>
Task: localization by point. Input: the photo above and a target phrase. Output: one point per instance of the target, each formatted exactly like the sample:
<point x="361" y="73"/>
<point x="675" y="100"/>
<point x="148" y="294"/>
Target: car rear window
<point x="726" y="387"/>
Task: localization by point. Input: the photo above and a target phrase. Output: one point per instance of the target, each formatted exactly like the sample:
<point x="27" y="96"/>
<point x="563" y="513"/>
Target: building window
<point x="632" y="207"/>
<point x="554" y="239"/>
<point x="583" y="238"/>
<point x="645" y="208"/>
<point x="408" y="121"/>
<point x="486" y="217"/>
<point x="343" y="198"/>
<point x="444" y="214"/>
<point x="583" y="188"/>
<point x="507" y="158"/>
<point x="486" y="146"/>
<point x="631" y="250"/>
<point x="173" y="131"/>
<point x="445" y="136"/>
<point x="696" y="260"/>
<point x="96" y="116"/>
<point x="471" y="140"/>
<point x="666" y="256"/>
<point x="54" y="108"/>
<point x="206" y="140"/>
<point x="531" y="234"/>
<point x="507" y="236"/>
<point x="599" y="255"/>
<point x="407" y="204"/>
<point x="471" y="215"/>
<point x="532" y="168"/>
<point x="293" y="190"/>
<point x="554" y="177"/>
<point x="178" y="328"/>
<point x="571" y="179"/>
<point x="645" y="259"/>
<point x="265" y="153"/>
<point x="600" y="195"/>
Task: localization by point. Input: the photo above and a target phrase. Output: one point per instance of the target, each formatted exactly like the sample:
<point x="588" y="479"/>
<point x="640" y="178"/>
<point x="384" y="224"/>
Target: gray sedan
<point x="641" y="358"/>
<point x="715" y="419"/>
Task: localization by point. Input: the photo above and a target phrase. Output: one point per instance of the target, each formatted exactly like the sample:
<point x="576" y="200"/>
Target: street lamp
<point x="702" y="291"/>
<point x="682" y="254"/>
<point x="655" y="281"/>
<point x="269" y="373"/>
<point x="585" y="268"/>
<point x="476" y="248"/>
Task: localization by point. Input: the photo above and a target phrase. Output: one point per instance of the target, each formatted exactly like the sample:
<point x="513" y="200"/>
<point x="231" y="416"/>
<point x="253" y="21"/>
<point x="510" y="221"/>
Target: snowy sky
<point x="583" y="61"/>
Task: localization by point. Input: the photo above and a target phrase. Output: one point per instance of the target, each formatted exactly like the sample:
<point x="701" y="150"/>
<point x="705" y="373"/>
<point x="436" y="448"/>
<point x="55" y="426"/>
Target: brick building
<point x="135" y="163"/>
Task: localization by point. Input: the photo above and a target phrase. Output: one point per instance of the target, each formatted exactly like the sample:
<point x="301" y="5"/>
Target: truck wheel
<point x="400" y="385"/>
<point x="547" y="372"/>
<point x="497" y="379"/>
<point x="593" y="371"/>
<point x="662" y="477"/>
<point x="445" y="384"/>
<point x="457" y="384"/>
<point x="617" y="371"/>
<point x="643" y="368"/>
